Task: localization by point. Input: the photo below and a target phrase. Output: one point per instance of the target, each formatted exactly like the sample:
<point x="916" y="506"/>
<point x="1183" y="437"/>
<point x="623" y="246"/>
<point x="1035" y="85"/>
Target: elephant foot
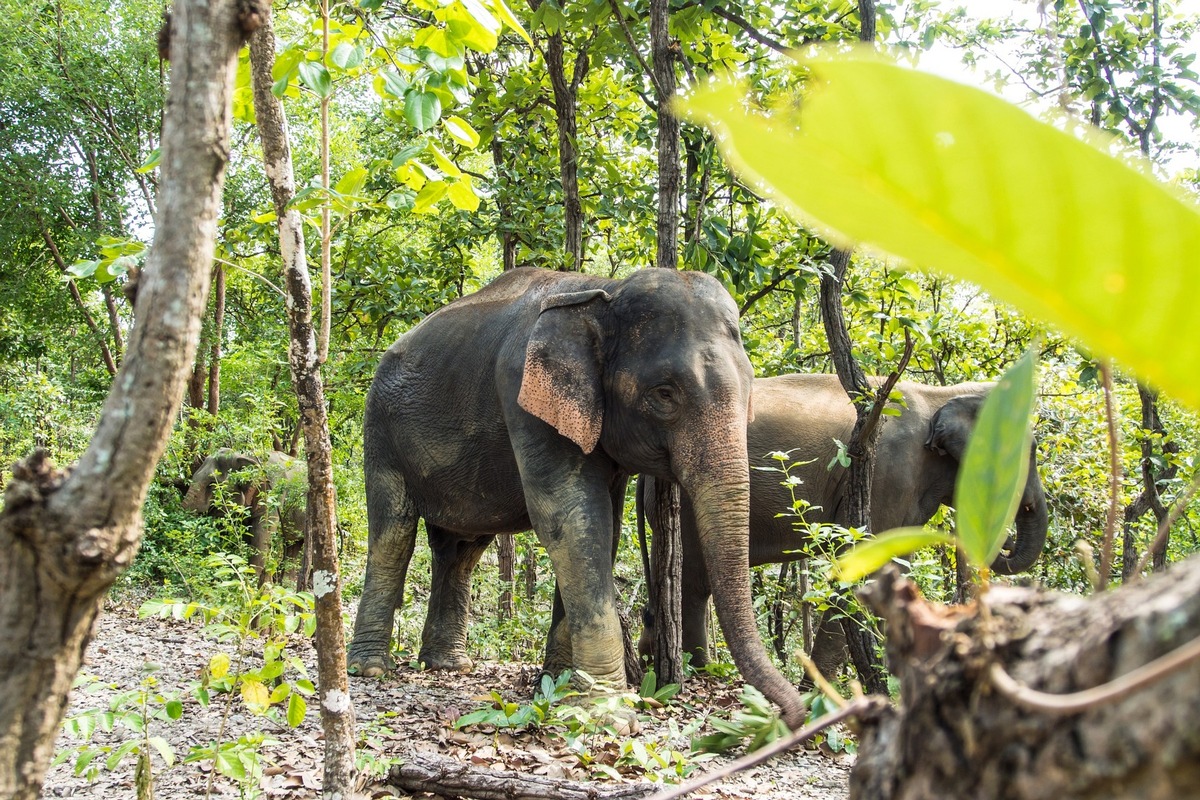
<point x="369" y="666"/>
<point x="446" y="662"/>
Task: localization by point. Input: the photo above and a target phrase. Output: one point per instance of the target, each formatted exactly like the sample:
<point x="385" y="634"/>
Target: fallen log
<point x="448" y="777"/>
<point x="956" y="734"/>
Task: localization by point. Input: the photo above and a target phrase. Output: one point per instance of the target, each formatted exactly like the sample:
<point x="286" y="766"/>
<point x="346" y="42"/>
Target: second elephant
<point x="917" y="460"/>
<point x="270" y="495"/>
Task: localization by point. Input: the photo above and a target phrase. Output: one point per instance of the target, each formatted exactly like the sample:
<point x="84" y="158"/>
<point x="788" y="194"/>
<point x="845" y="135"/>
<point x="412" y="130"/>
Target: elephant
<point x="917" y="459"/>
<point x="281" y="475"/>
<point x="528" y="405"/>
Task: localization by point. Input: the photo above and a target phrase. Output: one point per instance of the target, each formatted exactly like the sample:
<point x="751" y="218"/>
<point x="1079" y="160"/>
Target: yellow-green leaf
<point x="444" y="163"/>
<point x="218" y="666"/>
<point x="995" y="465"/>
<point x="870" y="554"/>
<point x="461" y="131"/>
<point x="462" y="194"/>
<point x="279" y="693"/>
<point x="953" y="178"/>
<point x="256" y="695"/>
<point x="429" y="196"/>
<point x="501" y="10"/>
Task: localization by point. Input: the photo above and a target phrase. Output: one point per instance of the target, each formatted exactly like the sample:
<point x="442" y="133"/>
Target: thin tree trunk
<point x="530" y="569"/>
<point x="214" y="361"/>
<point x="504" y="225"/>
<point x="861" y="447"/>
<point x="337" y="712"/>
<point x="67" y="538"/>
<point x="326" y="231"/>
<point x="668" y="550"/>
<point x="106" y="356"/>
<point x="506" y="551"/>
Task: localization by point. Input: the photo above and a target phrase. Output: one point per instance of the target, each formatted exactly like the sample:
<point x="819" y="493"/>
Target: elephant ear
<point x="951" y="426"/>
<point x="560" y="383"/>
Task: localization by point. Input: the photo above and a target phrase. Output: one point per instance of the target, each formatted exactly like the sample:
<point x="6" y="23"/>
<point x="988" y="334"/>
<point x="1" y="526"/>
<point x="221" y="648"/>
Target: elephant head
<point x="949" y="430"/>
<point x="654" y="375"/>
<point x="218" y="467"/>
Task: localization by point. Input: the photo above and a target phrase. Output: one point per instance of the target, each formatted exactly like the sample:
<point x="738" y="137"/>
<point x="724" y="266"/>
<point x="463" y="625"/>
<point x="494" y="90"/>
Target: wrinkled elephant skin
<point x="916" y="465"/>
<point x="527" y="405"/>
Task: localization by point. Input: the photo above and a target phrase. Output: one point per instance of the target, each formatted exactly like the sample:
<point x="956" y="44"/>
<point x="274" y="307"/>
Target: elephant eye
<point x="664" y="398"/>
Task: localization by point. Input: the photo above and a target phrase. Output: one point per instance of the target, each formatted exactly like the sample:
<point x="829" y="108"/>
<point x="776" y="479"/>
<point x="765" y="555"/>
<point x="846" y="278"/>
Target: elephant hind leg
<point x="391" y="537"/>
<point x="444" y="638"/>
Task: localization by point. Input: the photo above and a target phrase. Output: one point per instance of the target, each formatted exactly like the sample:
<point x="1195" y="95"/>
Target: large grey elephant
<point x="916" y="465"/>
<point x="270" y="495"/>
<point x="527" y="405"/>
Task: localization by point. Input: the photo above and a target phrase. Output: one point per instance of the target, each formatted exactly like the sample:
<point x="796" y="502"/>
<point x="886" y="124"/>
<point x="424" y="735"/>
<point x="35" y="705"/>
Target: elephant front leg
<point x="444" y="639"/>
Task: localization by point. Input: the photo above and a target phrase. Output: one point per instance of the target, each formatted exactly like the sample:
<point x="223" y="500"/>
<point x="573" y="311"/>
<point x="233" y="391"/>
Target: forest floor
<point x="405" y="714"/>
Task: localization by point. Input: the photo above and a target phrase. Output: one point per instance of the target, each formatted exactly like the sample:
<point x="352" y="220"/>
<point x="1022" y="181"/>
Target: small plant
<point x="133" y="711"/>
<point x="757" y="722"/>
<point x="368" y="758"/>
<point x="504" y="714"/>
<point x="650" y="697"/>
<point x="240" y="760"/>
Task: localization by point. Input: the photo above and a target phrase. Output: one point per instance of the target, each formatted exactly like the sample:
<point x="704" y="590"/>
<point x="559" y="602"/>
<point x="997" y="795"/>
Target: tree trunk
<point x="530" y="569"/>
<point x="955" y="735"/>
<point x="337" y="712"/>
<point x="429" y="773"/>
<point x="861" y="447"/>
<point x="67" y="537"/>
<point x="504" y="225"/>
<point x="565" y="93"/>
<point x="667" y="566"/>
<point x="214" y="361"/>
<point x="506" y="557"/>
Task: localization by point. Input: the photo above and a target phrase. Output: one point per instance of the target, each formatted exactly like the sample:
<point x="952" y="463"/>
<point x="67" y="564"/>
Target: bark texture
<point x="450" y="777"/>
<point x="506" y="566"/>
<point x="667" y="567"/>
<point x="953" y="735"/>
<point x="68" y="535"/>
<point x="337" y="712"/>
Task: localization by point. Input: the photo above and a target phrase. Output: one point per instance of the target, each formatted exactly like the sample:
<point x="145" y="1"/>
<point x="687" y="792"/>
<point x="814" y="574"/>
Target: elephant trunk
<point x="197" y="497"/>
<point x="1032" y="523"/>
<point x="722" y="507"/>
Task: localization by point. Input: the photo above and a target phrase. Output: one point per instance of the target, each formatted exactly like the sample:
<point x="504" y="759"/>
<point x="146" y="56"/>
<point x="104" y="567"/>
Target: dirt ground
<point x="398" y="716"/>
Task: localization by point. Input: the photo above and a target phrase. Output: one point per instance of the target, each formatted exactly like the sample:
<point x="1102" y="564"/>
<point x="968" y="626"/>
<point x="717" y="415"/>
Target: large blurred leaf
<point x="953" y="178"/>
<point x="871" y="554"/>
<point x="995" y="465"/>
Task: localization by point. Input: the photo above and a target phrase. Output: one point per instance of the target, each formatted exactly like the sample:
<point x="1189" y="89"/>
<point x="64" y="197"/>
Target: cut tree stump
<point x="953" y="735"/>
<point x="428" y="772"/>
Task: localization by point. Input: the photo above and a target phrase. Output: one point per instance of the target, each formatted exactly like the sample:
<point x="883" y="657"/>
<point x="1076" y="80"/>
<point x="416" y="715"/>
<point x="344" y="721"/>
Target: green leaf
<point x="279" y="693"/>
<point x="152" y="161"/>
<point x="174" y="709"/>
<point x="347" y="55"/>
<point x="352" y="182"/>
<point x="871" y="554"/>
<point x="501" y="10"/>
<point x="114" y="758"/>
<point x="422" y="109"/>
<point x="296" y="709"/>
<point x="995" y="464"/>
<point x="953" y="178"/>
<point x="316" y="77"/>
<point x="165" y="751"/>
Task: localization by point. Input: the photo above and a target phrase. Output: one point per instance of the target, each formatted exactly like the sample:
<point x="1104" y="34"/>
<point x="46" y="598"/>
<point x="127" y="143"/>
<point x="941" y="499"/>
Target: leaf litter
<point x="405" y="713"/>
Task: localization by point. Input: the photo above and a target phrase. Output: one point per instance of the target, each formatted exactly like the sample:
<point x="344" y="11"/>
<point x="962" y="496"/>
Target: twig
<point x="859" y="708"/>
<point x="1114" y="458"/>
<point x="619" y="12"/>
<point x="1078" y="702"/>
<point x="1164" y="529"/>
